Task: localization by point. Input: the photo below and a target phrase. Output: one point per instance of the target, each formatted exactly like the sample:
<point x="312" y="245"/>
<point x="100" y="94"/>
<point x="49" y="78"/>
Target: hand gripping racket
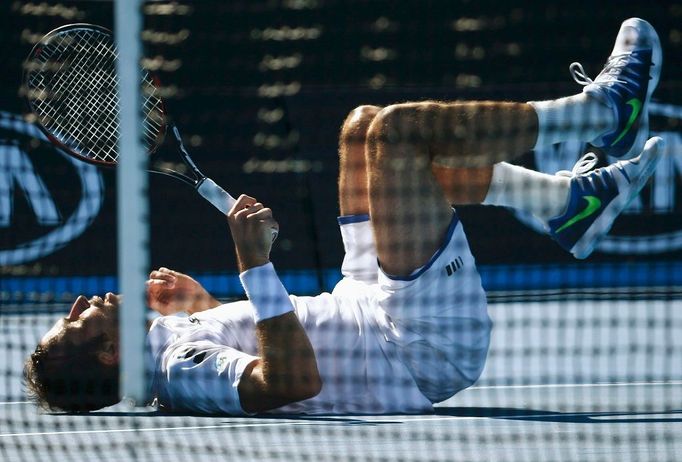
<point x="71" y="86"/>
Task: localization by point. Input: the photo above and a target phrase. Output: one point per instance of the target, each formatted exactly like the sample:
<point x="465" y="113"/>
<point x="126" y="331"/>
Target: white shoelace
<point x="584" y="165"/>
<point x="608" y="75"/>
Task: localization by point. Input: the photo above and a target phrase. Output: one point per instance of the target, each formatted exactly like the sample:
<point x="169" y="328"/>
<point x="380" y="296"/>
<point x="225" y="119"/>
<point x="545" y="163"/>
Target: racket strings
<point x="62" y="75"/>
<point x="73" y="90"/>
<point x="101" y="113"/>
<point x="80" y="107"/>
<point x="76" y="106"/>
<point x="152" y="109"/>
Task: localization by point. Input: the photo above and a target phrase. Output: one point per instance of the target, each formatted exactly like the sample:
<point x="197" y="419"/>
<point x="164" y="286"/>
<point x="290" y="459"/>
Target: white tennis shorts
<point x="437" y="317"/>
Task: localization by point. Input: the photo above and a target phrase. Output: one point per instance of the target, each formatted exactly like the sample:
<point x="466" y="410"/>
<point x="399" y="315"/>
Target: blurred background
<point x="259" y="89"/>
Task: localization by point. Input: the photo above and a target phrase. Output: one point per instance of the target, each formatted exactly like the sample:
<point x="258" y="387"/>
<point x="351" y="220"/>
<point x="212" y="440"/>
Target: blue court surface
<point x="579" y="380"/>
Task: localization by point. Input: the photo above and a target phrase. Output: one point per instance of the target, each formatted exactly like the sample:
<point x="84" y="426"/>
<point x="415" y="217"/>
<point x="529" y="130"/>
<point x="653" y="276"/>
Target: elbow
<point x="315" y="387"/>
<point x="306" y="382"/>
<point x="291" y="388"/>
<point x="309" y="387"/>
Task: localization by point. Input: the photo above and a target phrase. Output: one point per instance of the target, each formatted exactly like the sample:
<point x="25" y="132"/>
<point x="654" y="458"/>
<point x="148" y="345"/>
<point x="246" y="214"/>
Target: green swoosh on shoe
<point x="636" y="108"/>
<point x="593" y="204"/>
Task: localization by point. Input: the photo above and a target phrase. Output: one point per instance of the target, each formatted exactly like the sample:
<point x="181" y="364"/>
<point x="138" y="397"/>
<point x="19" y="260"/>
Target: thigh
<point x="410" y="213"/>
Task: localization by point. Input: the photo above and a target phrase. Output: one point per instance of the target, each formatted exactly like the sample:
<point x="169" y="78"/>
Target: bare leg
<point x="475" y="134"/>
<point x="410" y="211"/>
<point x="460" y="185"/>
<point x="353" y="195"/>
<point x="463" y="186"/>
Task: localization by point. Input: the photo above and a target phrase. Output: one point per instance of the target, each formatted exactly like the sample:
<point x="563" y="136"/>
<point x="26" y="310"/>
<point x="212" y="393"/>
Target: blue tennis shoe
<point x="625" y="84"/>
<point x="597" y="197"/>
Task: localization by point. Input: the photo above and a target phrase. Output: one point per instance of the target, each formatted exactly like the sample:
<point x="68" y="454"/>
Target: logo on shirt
<point x="454" y="266"/>
<point x="191" y="353"/>
<point x="186" y="354"/>
<point x="221" y="363"/>
<point x="194" y="320"/>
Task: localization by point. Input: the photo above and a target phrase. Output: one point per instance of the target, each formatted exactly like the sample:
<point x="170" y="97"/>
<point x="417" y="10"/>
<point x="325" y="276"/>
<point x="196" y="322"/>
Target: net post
<point x="132" y="200"/>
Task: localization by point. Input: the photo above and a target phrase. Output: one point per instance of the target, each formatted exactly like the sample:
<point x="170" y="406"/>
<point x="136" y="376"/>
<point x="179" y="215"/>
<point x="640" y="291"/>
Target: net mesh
<point x="583" y="361"/>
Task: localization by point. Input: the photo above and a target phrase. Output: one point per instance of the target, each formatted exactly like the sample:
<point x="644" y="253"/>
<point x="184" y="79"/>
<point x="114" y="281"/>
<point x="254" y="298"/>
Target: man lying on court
<point x="408" y="324"/>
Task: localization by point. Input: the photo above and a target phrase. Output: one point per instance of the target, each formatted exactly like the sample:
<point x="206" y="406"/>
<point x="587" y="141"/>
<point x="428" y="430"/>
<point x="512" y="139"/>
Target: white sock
<point x="543" y="195"/>
<point x="581" y="117"/>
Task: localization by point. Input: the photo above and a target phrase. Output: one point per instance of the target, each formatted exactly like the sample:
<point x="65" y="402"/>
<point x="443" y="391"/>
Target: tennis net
<point x="583" y="362"/>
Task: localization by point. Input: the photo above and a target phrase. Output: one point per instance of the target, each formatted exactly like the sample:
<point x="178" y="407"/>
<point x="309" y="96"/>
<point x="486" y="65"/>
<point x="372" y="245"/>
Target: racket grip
<point x="221" y="199"/>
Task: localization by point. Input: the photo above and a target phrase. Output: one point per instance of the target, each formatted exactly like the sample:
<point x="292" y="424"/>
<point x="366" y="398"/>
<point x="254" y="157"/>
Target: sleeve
<point x="203" y="377"/>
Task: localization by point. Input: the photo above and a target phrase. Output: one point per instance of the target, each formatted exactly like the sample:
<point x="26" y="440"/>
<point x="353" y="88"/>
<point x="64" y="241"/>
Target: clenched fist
<point x="170" y="292"/>
<point x="253" y="229"/>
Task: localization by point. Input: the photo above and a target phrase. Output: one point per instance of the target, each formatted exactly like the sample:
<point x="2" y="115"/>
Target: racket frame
<point x="199" y="177"/>
<point x="206" y="187"/>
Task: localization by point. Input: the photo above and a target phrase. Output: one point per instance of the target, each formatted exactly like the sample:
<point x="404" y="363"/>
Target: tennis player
<point x="407" y="326"/>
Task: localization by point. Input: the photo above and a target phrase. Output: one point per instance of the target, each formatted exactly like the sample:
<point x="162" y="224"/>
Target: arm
<point x="286" y="370"/>
<point x="170" y="292"/>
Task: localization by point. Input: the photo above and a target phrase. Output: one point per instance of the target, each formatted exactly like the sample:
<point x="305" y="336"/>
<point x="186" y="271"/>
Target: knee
<point x="388" y="123"/>
<point x="403" y="123"/>
<point x="357" y="123"/>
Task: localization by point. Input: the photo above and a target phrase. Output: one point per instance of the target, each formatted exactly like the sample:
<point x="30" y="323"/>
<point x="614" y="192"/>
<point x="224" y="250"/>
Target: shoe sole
<point x="655" y="75"/>
<point x="603" y="224"/>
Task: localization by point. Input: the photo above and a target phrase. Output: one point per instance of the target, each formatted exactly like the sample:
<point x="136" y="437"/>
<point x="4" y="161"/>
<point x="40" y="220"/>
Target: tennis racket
<point x="71" y="86"/>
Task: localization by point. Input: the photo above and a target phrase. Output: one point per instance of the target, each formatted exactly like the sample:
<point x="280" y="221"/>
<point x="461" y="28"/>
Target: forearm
<point x="288" y="367"/>
<point x="288" y="363"/>
<point x="248" y="260"/>
<point x="286" y="370"/>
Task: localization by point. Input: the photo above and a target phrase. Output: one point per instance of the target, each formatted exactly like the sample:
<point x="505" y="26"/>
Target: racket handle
<point x="221" y="199"/>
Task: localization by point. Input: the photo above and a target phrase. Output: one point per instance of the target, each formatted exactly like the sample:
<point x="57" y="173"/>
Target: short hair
<point x="63" y="376"/>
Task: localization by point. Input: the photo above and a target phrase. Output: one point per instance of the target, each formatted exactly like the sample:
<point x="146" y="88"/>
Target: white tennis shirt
<point x="434" y="346"/>
<point x="198" y="361"/>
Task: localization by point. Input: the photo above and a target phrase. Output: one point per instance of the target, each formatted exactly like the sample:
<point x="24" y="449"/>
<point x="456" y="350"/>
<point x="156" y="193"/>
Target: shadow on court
<point x="264" y="418"/>
<point x="502" y="413"/>
<point x="562" y="417"/>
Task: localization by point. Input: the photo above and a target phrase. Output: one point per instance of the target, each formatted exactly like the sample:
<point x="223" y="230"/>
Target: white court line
<point x="564" y="415"/>
<point x="155" y="429"/>
<point x="387" y="419"/>
<point x="578" y="385"/>
<point x="10" y="403"/>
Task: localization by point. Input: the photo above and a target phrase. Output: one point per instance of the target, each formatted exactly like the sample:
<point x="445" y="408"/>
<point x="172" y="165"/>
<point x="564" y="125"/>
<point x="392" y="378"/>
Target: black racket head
<point x="71" y="86"/>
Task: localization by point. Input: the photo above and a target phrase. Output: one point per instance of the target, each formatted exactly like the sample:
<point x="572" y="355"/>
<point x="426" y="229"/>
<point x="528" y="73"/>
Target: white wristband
<point x="266" y="293"/>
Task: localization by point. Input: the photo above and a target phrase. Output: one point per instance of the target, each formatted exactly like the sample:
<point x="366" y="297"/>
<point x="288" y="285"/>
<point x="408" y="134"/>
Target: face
<point x="88" y="319"/>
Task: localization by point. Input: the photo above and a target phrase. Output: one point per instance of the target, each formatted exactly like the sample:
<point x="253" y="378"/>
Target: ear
<point x="108" y="355"/>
